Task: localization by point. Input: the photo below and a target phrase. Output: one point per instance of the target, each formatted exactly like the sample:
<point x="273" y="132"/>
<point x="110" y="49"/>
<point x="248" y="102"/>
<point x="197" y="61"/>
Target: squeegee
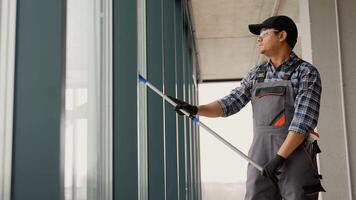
<point x="199" y="123"/>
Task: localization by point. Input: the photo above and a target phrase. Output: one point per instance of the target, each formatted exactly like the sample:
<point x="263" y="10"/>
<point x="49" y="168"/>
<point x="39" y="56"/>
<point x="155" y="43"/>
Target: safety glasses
<point x="267" y="31"/>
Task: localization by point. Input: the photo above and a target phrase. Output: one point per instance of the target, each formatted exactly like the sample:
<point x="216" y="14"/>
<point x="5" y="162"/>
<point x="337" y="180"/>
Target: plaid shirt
<point x="307" y="87"/>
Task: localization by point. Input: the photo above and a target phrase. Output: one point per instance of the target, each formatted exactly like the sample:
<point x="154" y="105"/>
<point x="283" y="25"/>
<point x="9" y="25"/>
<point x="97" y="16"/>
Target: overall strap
<point x="292" y="68"/>
<point x="261" y="73"/>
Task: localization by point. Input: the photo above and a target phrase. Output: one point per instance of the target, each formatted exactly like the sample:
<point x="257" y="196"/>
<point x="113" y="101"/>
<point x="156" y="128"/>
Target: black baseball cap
<point x="280" y="23"/>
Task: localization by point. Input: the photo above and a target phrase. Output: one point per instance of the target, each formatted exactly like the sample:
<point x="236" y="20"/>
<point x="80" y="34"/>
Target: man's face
<point x="268" y="41"/>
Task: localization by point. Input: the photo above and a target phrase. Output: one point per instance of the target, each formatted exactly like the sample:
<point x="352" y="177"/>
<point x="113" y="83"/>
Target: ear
<point x="282" y="35"/>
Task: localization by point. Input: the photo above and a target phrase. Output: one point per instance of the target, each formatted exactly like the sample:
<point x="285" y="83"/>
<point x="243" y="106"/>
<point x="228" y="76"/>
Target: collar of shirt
<point x="285" y="65"/>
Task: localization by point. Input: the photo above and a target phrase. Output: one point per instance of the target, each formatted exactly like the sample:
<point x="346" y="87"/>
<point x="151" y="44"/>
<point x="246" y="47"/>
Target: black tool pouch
<point x="312" y="190"/>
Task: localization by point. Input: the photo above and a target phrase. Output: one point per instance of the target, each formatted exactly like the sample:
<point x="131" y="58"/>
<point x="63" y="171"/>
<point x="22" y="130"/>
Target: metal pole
<point x="199" y="123"/>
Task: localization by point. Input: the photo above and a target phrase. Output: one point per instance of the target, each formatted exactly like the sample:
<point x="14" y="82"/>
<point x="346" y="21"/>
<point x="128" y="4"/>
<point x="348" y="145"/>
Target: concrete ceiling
<point x="227" y="50"/>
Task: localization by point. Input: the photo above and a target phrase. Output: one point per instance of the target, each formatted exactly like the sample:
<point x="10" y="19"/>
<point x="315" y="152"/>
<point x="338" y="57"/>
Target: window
<point x="88" y="115"/>
<point x="7" y="66"/>
<point x="223" y="172"/>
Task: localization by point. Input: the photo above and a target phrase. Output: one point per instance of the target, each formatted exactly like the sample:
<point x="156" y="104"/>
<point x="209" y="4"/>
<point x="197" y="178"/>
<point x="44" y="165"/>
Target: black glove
<point x="192" y="110"/>
<point x="270" y="170"/>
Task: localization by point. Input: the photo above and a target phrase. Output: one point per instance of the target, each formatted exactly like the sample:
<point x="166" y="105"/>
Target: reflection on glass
<point x="87" y="143"/>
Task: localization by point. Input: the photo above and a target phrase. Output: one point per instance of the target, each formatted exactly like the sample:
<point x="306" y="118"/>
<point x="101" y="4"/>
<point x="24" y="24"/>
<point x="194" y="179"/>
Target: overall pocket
<point x="269" y="106"/>
<point x="274" y="91"/>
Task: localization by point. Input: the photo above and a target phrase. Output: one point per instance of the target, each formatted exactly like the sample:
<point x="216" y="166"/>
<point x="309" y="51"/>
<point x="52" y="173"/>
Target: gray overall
<point x="273" y="110"/>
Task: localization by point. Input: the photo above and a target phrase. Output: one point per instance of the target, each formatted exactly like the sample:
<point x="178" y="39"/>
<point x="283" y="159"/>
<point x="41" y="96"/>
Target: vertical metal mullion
<point x="179" y="94"/>
<point x="196" y="140"/>
<point x="189" y="140"/>
<point x="142" y="103"/>
<point x="106" y="182"/>
<point x="197" y="154"/>
<point x="192" y="133"/>
<point x="198" y="149"/>
<point x="96" y="93"/>
<point x="195" y="143"/>
<point x="63" y="133"/>
<point x="186" y="153"/>
<point x="188" y="134"/>
<point x="194" y="146"/>
<point x="163" y="103"/>
<point x="176" y="95"/>
<point x="109" y="59"/>
<point x="74" y="155"/>
<point x="195" y="127"/>
<point x="7" y="79"/>
<point x="189" y="124"/>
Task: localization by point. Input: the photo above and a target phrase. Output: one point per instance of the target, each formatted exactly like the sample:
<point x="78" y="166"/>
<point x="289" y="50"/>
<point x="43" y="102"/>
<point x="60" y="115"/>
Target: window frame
<point x="7" y="73"/>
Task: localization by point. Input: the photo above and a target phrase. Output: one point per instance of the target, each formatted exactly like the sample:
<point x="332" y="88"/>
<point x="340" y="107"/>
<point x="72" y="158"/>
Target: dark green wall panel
<point x="170" y="115"/>
<point x="37" y="104"/>
<point x="179" y="79"/>
<point x="156" y="165"/>
<point x="125" y="99"/>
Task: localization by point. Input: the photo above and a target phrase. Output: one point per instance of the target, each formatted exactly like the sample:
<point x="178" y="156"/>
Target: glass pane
<point x="88" y="151"/>
<point x="223" y="172"/>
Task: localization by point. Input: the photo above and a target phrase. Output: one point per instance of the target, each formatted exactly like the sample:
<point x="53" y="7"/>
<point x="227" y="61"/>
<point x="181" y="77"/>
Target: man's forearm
<point x="292" y="141"/>
<point x="210" y="110"/>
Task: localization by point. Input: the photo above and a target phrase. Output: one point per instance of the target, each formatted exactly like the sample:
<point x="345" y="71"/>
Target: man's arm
<point x="292" y="141"/>
<point x="238" y="97"/>
<point x="210" y="110"/>
<point x="225" y="106"/>
<point x="306" y="113"/>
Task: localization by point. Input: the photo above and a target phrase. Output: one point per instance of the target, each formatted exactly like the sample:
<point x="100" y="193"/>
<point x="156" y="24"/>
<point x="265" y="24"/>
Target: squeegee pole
<point x="201" y="124"/>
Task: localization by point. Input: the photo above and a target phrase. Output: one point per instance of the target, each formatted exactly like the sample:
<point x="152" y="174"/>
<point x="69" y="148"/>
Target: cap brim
<point x="256" y="28"/>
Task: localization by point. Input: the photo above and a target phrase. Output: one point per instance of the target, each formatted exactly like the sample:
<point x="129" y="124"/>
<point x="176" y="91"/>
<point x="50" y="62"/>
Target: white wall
<point x="333" y="50"/>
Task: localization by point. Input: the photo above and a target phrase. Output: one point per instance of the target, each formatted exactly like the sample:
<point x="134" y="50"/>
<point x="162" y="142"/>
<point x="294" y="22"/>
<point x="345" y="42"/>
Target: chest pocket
<point x="274" y="91"/>
<point x="269" y="106"/>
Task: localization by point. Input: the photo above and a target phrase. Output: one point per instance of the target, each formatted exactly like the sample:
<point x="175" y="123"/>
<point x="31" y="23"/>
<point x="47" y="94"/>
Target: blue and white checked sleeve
<point x="239" y="96"/>
<point x="307" y="102"/>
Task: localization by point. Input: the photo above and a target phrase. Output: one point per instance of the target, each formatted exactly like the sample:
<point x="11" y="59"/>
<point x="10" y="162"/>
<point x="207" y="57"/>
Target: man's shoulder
<point x="251" y="75"/>
<point x="306" y="68"/>
<point x="250" y="78"/>
<point x="259" y="67"/>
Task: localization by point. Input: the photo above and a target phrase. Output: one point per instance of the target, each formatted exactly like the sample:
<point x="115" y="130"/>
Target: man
<point x="285" y="94"/>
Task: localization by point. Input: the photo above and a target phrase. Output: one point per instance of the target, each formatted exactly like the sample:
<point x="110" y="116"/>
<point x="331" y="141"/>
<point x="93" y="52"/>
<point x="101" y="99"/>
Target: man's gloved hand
<point x="270" y="170"/>
<point x="192" y="110"/>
